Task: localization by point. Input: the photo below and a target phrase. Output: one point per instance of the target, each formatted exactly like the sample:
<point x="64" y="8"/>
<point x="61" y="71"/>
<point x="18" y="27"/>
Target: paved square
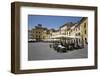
<point x="42" y="51"/>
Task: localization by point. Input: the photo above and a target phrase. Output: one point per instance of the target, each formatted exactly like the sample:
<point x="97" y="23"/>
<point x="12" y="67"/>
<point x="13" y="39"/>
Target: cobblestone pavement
<point x="42" y="51"/>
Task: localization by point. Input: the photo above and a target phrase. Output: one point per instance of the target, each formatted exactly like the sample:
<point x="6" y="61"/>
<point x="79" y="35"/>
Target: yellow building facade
<point x="84" y="30"/>
<point x="72" y="33"/>
<point x="39" y="33"/>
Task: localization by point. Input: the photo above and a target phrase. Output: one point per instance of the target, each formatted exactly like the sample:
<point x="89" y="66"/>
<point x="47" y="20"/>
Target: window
<point x="69" y="33"/>
<point x="79" y="34"/>
<point x="39" y="36"/>
<point x="36" y="35"/>
<point x="86" y="41"/>
<point x="71" y="30"/>
<point x="85" y="32"/>
<point x="84" y="25"/>
<point x="74" y="40"/>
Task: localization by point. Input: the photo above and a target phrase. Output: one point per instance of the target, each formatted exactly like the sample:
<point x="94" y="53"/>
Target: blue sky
<point x="50" y="21"/>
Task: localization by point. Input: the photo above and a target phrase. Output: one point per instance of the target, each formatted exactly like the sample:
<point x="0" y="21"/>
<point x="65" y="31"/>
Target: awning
<point x="64" y="36"/>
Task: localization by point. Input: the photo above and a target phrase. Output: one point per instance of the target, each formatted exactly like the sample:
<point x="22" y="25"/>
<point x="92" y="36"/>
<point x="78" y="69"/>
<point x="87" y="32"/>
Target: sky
<point x="50" y="21"/>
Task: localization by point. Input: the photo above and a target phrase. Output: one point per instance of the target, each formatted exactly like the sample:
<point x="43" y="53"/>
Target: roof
<point x="69" y="24"/>
<point x="83" y="19"/>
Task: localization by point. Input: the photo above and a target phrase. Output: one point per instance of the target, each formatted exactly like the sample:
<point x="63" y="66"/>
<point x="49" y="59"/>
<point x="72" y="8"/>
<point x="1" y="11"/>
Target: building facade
<point x="76" y="33"/>
<point x="39" y="33"/>
<point x="84" y="30"/>
<point x="30" y="38"/>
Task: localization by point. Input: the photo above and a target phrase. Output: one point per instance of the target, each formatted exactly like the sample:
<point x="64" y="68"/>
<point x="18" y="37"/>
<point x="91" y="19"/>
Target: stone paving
<point x="42" y="51"/>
